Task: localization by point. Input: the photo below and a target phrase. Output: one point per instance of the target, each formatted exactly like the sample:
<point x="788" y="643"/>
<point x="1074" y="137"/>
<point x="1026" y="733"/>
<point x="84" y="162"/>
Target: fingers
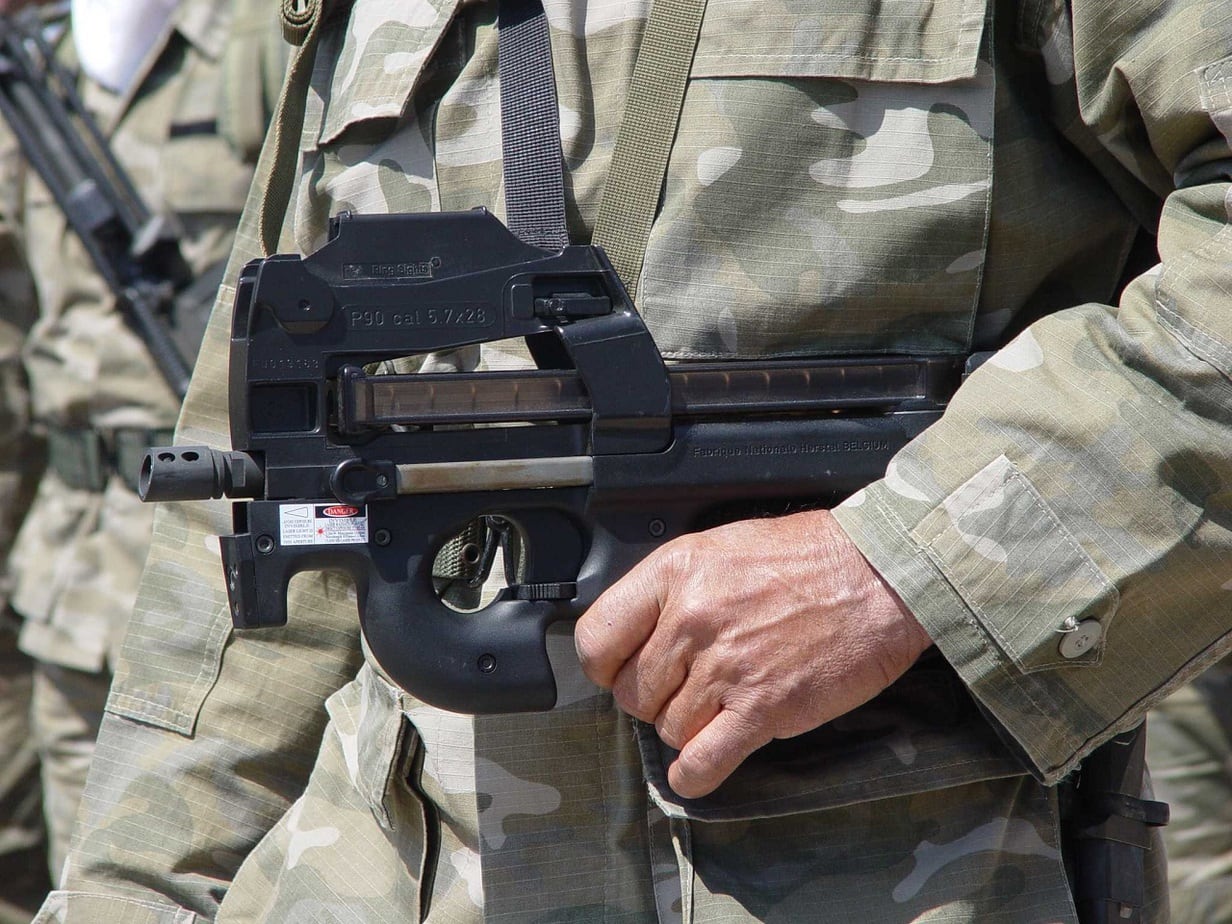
<point x="647" y="681"/>
<point x="618" y="624"/>
<point x="714" y="753"/>
<point x="684" y="715"/>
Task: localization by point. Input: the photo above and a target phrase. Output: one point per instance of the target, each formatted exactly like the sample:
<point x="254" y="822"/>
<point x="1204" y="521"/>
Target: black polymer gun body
<point x="594" y="458"/>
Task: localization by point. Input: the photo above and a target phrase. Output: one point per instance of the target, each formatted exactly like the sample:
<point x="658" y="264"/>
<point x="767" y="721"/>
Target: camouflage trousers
<point x="378" y="836"/>
<point x="23" y="857"/>
<point x="1189" y="749"/>
<point x="67" y="712"/>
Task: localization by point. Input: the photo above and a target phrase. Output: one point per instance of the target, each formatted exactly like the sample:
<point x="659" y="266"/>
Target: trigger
<point x="561" y="590"/>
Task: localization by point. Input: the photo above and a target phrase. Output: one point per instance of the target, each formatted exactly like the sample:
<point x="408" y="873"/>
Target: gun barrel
<point x="179" y="473"/>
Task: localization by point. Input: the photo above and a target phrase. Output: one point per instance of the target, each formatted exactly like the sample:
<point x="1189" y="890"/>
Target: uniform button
<point x="1081" y="639"/>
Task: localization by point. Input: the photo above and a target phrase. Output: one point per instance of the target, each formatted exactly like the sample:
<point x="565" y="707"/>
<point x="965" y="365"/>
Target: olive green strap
<point x="652" y="111"/>
<point x="253" y="66"/>
<point x="301" y="26"/>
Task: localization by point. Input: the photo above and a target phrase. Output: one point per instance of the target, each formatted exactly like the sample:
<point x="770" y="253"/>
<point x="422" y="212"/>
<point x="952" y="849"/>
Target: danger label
<point x="322" y="524"/>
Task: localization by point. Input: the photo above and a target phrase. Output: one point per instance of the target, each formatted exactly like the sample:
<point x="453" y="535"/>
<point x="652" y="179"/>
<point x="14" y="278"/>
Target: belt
<point x="87" y="458"/>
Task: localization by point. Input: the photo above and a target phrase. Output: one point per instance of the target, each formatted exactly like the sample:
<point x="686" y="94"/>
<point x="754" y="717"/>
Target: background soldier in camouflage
<point x="23" y="857"/>
<point x="846" y="178"/>
<point x="95" y="392"/>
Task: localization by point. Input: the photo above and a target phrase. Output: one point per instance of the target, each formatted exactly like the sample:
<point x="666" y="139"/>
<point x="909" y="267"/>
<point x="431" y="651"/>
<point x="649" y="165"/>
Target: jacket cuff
<point x="1008" y="596"/>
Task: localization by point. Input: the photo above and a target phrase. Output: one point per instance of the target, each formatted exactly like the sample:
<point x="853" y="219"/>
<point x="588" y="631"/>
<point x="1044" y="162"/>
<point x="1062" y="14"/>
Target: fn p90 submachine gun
<point x="593" y="459"/>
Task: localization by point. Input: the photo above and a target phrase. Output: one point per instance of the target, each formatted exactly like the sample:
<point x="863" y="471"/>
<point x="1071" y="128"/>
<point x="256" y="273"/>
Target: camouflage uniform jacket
<point x="847" y="177"/>
<point x="78" y="557"/>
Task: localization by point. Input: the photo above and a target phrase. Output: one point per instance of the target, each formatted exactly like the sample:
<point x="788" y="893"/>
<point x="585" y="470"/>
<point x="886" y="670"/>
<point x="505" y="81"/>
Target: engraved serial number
<point x="436" y="316"/>
<point x="286" y="364"/>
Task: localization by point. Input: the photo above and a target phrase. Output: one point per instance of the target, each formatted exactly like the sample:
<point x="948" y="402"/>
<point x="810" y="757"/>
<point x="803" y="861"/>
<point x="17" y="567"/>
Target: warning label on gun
<point x="322" y="524"/>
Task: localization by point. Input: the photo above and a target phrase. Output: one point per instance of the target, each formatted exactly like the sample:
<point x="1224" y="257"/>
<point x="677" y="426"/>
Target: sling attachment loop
<point x="298" y="18"/>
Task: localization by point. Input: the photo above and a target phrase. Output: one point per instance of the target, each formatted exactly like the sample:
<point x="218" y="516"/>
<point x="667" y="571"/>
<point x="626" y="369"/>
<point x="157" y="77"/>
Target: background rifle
<point x="136" y="251"/>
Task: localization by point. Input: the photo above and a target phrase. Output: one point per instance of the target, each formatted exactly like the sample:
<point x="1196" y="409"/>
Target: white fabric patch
<point x="589" y="17"/>
<point x="983" y="493"/>
<point x="925" y="198"/>
<point x="966" y="263"/>
<point x="1002" y="835"/>
<point x="466" y="864"/>
<point x="113" y="37"/>
<point x="895" y="481"/>
<point x="715" y="162"/>
<point x="1021" y="355"/>
<point x="856" y="500"/>
<point x="303" y="839"/>
<point x="1059" y="54"/>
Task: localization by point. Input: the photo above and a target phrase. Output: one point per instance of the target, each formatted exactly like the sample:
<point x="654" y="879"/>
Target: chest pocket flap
<point x="376" y="61"/>
<point x="921" y="41"/>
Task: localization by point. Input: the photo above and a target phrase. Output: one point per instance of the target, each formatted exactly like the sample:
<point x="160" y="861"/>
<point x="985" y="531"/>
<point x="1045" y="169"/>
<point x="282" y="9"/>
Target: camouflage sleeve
<point x="1064" y="533"/>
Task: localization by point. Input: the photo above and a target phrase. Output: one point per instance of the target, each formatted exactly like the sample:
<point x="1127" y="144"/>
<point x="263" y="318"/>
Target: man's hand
<point x="756" y="630"/>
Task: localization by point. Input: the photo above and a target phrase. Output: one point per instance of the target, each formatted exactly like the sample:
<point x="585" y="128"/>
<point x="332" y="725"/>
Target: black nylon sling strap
<point x="530" y="127"/>
<point x="534" y="212"/>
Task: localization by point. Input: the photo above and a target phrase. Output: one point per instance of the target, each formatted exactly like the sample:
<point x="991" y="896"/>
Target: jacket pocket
<point x="1007" y="553"/>
<point x="370" y="58"/>
<point x="829" y="185"/>
<point x="201" y="171"/>
<point x="399" y="37"/>
<point x="922" y="733"/>
<point x="377" y="741"/>
<point x="906" y="804"/>
<point x="384" y="758"/>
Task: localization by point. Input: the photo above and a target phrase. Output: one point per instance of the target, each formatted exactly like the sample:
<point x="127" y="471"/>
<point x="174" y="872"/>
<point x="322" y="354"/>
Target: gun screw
<point x="657" y="527"/>
<point x="487" y="663"/>
<point x="381" y="537"/>
<point x="382" y="481"/>
<point x="265" y="545"/>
